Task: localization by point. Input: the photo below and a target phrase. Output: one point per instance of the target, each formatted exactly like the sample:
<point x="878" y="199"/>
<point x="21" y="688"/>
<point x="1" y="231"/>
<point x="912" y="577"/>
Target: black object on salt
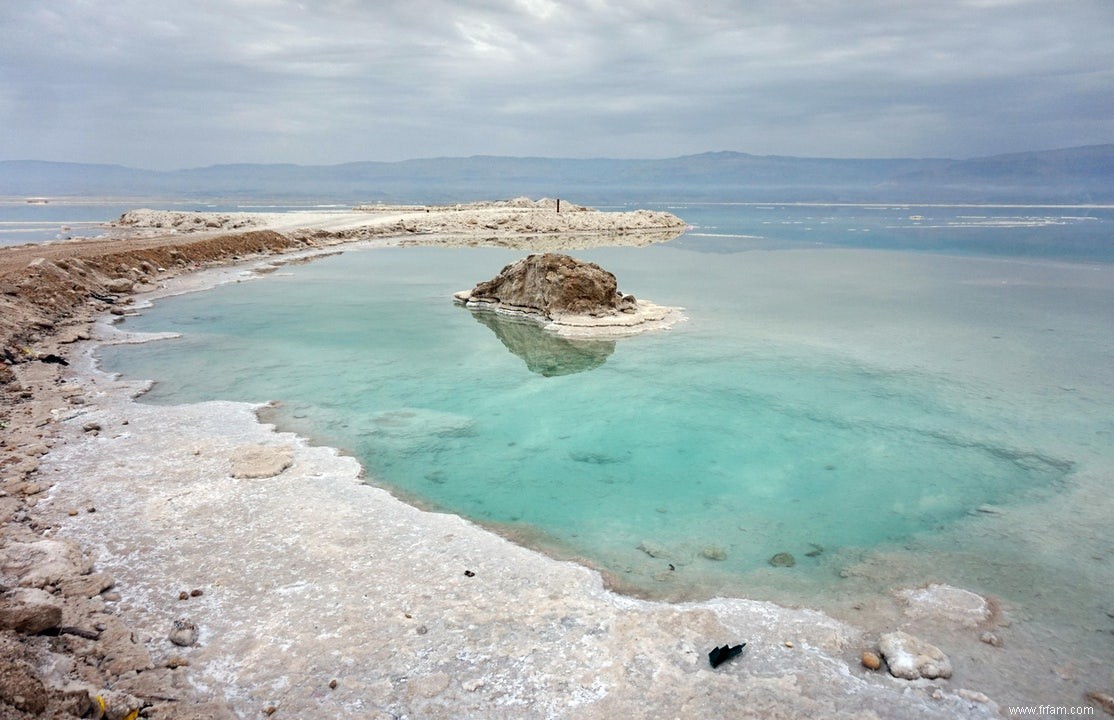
<point x="720" y="655"/>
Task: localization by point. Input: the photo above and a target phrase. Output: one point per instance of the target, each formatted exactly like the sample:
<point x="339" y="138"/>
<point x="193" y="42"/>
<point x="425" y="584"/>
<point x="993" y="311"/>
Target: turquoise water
<point x="822" y="403"/>
<point x="1076" y="233"/>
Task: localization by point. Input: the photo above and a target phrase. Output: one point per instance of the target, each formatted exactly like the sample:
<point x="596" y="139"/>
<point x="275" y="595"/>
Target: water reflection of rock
<point x="545" y="353"/>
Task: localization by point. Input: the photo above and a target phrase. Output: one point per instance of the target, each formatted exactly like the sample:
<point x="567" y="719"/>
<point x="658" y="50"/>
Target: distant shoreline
<point x="1075" y="174"/>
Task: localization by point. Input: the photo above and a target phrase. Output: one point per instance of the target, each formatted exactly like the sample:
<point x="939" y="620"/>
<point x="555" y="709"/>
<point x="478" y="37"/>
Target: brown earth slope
<point x="63" y="651"/>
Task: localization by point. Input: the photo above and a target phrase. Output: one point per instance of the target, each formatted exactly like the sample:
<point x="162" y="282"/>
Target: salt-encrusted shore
<point x="308" y="593"/>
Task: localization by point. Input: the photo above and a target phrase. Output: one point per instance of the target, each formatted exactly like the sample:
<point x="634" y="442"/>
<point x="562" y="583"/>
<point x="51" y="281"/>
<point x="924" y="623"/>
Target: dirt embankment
<point x="44" y="286"/>
<point x="64" y="653"/>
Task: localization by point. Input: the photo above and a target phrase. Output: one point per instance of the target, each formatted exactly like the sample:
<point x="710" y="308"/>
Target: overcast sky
<point x="157" y="84"/>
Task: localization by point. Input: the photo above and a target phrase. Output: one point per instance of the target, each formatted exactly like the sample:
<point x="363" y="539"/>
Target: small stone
<point x="788" y="643"/>
<point x="991" y="639"/>
<point x="469" y="573"/>
<point x="783" y="559"/>
<point x="714" y="552"/>
<point x="911" y="658"/>
<point x="197" y="592"/>
<point x="184" y="633"/>
<point x="183" y="595"/>
<point x="72" y="512"/>
<point x="176" y="661"/>
<point x="91" y="427"/>
<point x="421" y="630"/>
<point x="30" y="611"/>
<point x="333" y="684"/>
<point x="870" y="661"/>
<point x="270" y="710"/>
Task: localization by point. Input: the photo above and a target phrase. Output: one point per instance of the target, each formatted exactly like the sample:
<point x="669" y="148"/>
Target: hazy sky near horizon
<point x="156" y="84"/>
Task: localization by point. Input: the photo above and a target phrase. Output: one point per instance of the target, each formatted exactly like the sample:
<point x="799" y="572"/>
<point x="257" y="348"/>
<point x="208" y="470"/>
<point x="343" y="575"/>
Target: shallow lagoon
<point x="889" y="418"/>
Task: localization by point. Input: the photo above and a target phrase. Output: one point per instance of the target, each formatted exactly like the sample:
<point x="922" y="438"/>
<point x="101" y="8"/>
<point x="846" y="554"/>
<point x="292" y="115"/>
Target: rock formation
<point x="911" y="658"/>
<point x="569" y="297"/>
<point x="551" y="284"/>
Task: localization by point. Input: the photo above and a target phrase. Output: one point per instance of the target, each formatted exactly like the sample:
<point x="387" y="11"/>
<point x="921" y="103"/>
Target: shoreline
<point x="524" y="636"/>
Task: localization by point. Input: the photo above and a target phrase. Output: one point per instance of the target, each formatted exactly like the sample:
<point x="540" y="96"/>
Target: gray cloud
<point x="158" y="84"/>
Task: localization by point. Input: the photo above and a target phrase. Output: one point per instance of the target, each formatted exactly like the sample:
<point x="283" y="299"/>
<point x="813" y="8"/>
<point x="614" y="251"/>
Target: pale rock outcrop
<point x="30" y="611"/>
<point x="86" y="586"/>
<point x="911" y="658"/>
<point x="42" y="562"/>
<point x="119" y="285"/>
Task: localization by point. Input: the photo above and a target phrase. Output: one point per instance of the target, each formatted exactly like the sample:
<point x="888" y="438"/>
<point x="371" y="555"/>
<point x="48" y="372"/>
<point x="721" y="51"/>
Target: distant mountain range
<point x="1074" y="175"/>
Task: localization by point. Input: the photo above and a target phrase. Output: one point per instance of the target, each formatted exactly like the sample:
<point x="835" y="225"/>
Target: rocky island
<point x="568" y="297"/>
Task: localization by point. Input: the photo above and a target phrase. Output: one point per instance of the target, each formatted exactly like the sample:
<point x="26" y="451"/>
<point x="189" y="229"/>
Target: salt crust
<point x="944" y="602"/>
<point x="323" y="577"/>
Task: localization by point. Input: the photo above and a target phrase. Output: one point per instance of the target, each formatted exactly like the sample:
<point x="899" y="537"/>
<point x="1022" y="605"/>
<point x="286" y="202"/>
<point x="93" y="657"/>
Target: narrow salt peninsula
<point x="547" y="224"/>
<point x="180" y="585"/>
